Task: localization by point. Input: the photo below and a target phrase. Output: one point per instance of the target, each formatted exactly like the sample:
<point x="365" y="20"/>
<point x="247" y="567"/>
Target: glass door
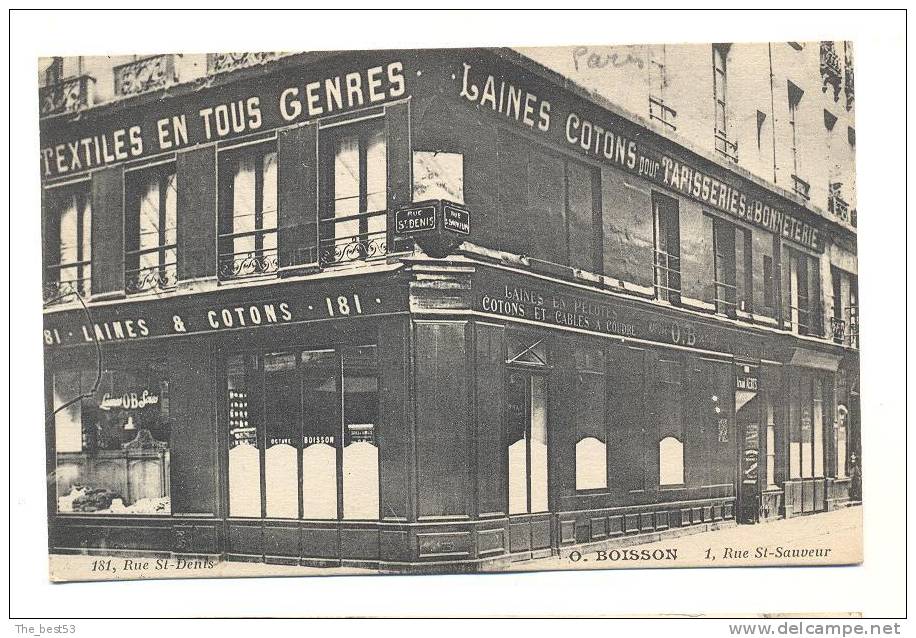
<point x="527" y="442"/>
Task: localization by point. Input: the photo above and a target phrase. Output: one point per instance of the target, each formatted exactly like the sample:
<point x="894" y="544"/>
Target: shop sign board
<point x="490" y="85"/>
<point x="534" y="300"/>
<point x="204" y="314"/>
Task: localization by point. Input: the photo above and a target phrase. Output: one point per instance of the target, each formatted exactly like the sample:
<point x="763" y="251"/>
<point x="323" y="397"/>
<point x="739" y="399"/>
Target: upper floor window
<point x="659" y="109"/>
<point x="733" y="268"/>
<point x="353" y="220"/>
<point x="804" y="307"/>
<point x="667" y="249"/>
<point x="69" y="232"/>
<point x="799" y="185"/>
<point x="248" y="211"/>
<point x="150" y="233"/>
<point x="724" y="146"/>
<point x="725" y="284"/>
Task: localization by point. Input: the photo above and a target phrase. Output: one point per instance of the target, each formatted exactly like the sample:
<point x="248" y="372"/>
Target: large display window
<point x="302" y="434"/>
<point x="111" y="431"/>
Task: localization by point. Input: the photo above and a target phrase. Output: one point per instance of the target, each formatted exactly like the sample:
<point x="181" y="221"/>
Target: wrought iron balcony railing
<point x="358" y="237"/>
<point x="830" y="68"/>
<point x="835" y="202"/>
<point x="801" y="187"/>
<point x="725" y="147"/>
<point x="250" y="263"/>
<point x="248" y="253"/>
<point x="838" y="329"/>
<point x="65" y="291"/>
<point x="221" y="62"/>
<point x="661" y="112"/>
<point x="161" y="277"/>
<point x="147" y="74"/>
<point x="67" y="96"/>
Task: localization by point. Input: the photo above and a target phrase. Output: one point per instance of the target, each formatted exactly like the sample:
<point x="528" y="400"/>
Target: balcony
<point x="725" y="147"/>
<point x="222" y="62"/>
<point x="831" y="73"/>
<point x="836" y="205"/>
<point x="142" y="276"/>
<point x="660" y="112"/>
<point x="67" y="96"/>
<point x="147" y="74"/>
<point x="801" y="187"/>
<point x="66" y="283"/>
<point x="358" y="237"/>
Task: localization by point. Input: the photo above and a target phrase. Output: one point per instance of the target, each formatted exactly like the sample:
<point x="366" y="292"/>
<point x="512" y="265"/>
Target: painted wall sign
<point x="527" y="298"/>
<point x="493" y="86"/>
<point x="212" y="313"/>
<point x="294" y="95"/>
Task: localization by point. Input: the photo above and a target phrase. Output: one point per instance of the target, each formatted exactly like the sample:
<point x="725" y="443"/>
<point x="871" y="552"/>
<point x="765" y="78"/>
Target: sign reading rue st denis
<point x="415" y="219"/>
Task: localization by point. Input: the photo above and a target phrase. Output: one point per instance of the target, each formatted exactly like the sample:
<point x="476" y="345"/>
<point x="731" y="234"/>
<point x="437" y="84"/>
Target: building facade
<point x="425" y="310"/>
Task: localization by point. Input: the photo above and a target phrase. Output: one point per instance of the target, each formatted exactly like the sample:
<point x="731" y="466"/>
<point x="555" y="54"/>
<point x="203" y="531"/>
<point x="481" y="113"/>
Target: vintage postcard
<point x="451" y="310"/>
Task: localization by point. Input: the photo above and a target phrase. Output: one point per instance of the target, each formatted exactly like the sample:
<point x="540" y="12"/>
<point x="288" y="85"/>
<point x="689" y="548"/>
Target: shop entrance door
<point x="747" y="418"/>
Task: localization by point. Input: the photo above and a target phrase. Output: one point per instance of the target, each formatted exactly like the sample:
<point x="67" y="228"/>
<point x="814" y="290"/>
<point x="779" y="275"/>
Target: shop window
<point x="248" y="211"/>
<point x="840" y="441"/>
<point x="112" y="435"/>
<point x="667" y="249"/>
<point x="670" y="461"/>
<point x="771" y="444"/>
<point x="817" y="411"/>
<point x="244" y="442"/>
<point x="316" y="419"/>
<point x="352" y="224"/>
<point x="527" y="443"/>
<point x="70" y="228"/>
<point x="591" y="436"/>
<point x="150" y="232"/>
<point x="669" y="411"/>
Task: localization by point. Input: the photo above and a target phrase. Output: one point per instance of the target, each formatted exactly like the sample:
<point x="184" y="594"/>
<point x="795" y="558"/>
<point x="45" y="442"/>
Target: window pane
<point x="171" y="209"/>
<point x="346" y="177"/>
<point x="149" y="211"/>
<point x="282" y="422"/>
<point x="69" y="235"/>
<point x="591" y="451"/>
<point x="806" y="442"/>
<point x="114" y="445"/>
<point x="360" y="453"/>
<point x="818" y="424"/>
<point x="670" y="461"/>
<point x="244" y="452"/>
<point x="376" y="172"/>
<point x="517" y="443"/>
<point x="269" y="203"/>
<point x="320" y="433"/>
<point x="538" y="444"/>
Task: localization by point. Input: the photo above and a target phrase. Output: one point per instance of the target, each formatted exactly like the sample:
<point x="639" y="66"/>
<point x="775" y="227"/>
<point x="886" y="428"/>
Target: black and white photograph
<point x="433" y="310"/>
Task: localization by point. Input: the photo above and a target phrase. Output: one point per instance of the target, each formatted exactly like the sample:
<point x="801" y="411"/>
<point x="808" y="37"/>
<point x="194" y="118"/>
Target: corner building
<point x="246" y="358"/>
